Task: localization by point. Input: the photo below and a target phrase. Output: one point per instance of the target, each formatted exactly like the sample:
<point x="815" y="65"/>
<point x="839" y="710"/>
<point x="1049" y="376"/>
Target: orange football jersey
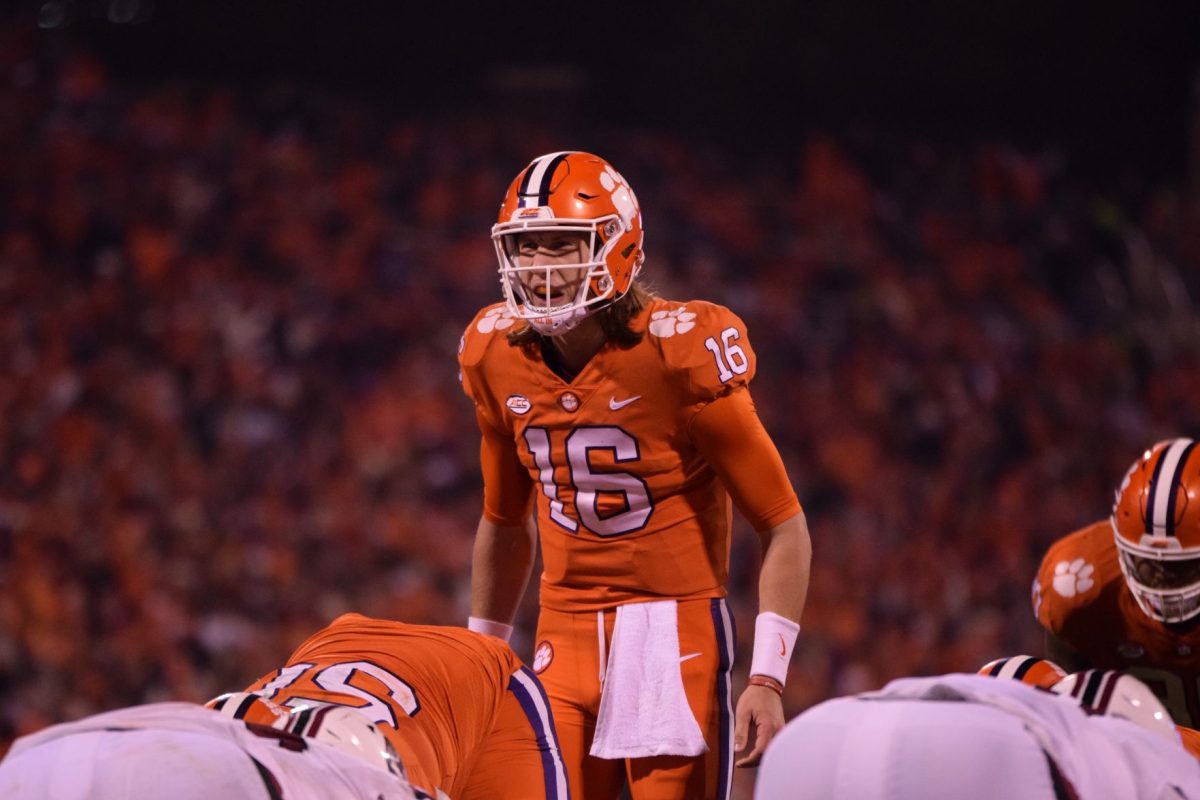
<point x="448" y="682"/>
<point x="627" y="507"/>
<point x="1191" y="740"/>
<point x="1080" y="596"/>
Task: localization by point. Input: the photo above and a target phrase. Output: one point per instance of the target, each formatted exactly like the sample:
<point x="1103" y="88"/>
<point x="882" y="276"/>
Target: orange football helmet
<point x="248" y="707"/>
<point x="1156" y="524"/>
<point x="1026" y="669"/>
<point x="576" y="193"/>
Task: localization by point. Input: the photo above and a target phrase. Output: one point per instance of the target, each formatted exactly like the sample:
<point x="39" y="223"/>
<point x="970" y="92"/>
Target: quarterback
<point x="1124" y="593"/>
<point x="617" y="427"/>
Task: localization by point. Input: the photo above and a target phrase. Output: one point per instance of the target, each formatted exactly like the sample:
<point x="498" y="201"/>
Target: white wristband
<point x="774" y="639"/>
<point x="490" y="628"/>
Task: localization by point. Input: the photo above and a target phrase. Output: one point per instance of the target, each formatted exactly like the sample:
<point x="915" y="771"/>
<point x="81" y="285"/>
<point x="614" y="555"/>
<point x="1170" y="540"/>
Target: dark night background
<point x="1114" y="80"/>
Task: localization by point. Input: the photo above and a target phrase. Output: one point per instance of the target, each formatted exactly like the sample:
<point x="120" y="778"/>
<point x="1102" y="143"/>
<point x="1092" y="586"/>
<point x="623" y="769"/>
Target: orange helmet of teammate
<point x="1156" y="524"/>
<point x="1026" y="669"/>
<point x="248" y="707"/>
<point x="576" y="193"/>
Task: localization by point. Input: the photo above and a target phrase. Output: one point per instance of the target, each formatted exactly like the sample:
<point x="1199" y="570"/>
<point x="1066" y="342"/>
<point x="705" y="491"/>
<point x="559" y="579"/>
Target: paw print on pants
<point x="665" y="324"/>
<point x="1073" y="577"/>
<point x="495" y="320"/>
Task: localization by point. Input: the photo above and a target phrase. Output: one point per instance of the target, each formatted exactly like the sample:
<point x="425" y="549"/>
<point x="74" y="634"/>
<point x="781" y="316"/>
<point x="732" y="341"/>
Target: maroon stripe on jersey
<point x="274" y="790"/>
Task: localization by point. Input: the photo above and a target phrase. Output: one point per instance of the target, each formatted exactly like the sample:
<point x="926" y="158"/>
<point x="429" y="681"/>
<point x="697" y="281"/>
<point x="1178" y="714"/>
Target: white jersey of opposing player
<point x="185" y="752"/>
<point x="986" y="738"/>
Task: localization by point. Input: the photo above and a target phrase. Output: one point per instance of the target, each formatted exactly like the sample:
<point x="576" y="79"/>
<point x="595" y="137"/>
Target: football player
<point x="1124" y="593"/>
<point x="1098" y="735"/>
<point x="186" y="752"/>
<point x="462" y="712"/>
<point x="627" y="420"/>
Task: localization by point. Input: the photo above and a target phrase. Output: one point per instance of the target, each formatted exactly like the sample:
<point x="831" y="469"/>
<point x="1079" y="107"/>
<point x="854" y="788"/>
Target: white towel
<point x="643" y="708"/>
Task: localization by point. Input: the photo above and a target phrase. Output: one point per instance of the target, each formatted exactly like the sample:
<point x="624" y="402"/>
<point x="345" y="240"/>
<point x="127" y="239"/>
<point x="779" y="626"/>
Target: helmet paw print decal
<point x="622" y="196"/>
<point x="1073" y="577"/>
<point x="495" y="320"/>
<point x="665" y="324"/>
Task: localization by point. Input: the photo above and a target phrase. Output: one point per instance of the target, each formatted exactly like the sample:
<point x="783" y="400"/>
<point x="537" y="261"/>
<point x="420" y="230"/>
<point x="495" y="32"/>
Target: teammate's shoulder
<point x="1074" y="574"/>
<point x="1093" y="543"/>
<point x="491" y="324"/>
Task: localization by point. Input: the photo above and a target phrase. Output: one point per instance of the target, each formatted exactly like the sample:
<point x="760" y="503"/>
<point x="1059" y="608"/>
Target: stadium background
<point x="239" y="243"/>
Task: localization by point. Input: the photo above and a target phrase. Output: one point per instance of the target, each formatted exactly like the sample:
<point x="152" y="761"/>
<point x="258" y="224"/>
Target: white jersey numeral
<point x="731" y="358"/>
<point x="590" y="485"/>
<point x="339" y="679"/>
<point x="538" y="440"/>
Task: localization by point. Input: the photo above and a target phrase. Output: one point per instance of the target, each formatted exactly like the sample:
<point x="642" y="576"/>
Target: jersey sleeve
<point x="706" y="346"/>
<point x="507" y="487"/>
<point x="735" y="444"/>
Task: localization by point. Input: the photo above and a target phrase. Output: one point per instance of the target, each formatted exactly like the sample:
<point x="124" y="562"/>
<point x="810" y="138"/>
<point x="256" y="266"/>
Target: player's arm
<point x="504" y="548"/>
<point x="731" y="437"/>
<point x="1064" y="655"/>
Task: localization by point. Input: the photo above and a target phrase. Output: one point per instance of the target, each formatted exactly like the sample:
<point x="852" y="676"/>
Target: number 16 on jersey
<point x="608" y="503"/>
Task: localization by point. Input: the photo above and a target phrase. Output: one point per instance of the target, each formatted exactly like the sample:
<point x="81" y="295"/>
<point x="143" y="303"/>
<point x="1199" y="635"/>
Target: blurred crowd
<point x="229" y="407"/>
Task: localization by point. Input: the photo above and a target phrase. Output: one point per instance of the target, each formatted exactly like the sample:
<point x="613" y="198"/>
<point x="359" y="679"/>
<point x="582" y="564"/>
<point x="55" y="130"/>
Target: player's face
<point x="1165" y="574"/>
<point x="556" y="249"/>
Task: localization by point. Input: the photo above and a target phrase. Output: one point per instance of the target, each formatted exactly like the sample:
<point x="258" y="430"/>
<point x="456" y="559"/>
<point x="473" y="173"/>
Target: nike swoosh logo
<point x="782" y="645"/>
<point x="617" y="405"/>
<point x="688" y="657"/>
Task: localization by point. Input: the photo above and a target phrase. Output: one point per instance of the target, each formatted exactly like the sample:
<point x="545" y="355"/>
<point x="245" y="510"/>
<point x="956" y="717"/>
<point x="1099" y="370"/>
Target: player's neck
<point x="575" y="348"/>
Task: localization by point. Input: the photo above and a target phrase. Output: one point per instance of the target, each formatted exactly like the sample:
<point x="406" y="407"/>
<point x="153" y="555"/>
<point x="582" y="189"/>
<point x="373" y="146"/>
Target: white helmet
<point x="1114" y="694"/>
<point x="347" y="730"/>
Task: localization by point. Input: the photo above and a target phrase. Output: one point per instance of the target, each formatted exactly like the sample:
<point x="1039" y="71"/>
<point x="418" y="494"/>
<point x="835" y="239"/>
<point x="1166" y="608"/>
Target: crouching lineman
<point x="1048" y="675"/>
<point x="465" y="716"/>
<point x="186" y="752"/>
<point x="1124" y="592"/>
<point x="1095" y="735"/>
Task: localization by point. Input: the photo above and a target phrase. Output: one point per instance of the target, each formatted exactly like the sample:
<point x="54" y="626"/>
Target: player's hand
<point x="759" y="717"/>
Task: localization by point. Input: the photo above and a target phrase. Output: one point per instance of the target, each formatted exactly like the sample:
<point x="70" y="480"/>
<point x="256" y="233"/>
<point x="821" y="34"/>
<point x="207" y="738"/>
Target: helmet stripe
<point x="1023" y="666"/>
<point x="1106" y="693"/>
<point x="537" y="178"/>
<point x="1167" y="472"/>
<point x="1175" y="481"/>
<point x="244" y="707"/>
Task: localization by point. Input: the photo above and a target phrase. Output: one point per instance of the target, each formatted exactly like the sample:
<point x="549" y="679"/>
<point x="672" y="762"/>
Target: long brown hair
<point x="614" y="320"/>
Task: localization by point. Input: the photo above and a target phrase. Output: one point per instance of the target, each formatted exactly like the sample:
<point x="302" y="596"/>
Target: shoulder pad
<point x="1074" y="571"/>
<point x="705" y="343"/>
<point x="494" y="320"/>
